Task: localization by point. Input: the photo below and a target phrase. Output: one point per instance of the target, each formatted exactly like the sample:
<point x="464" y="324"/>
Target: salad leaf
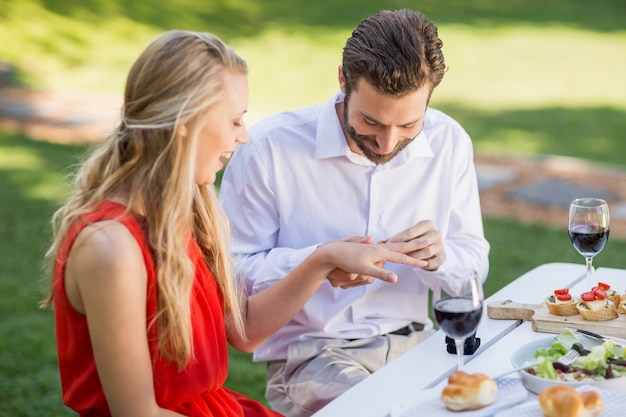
<point x="600" y="360"/>
<point x="562" y="343"/>
<point x="613" y="350"/>
<point x="567" y="339"/>
<point x="546" y="370"/>
<point x="595" y="360"/>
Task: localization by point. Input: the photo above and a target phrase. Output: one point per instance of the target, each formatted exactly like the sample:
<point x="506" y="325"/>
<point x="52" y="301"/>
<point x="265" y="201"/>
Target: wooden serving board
<point x="545" y="322"/>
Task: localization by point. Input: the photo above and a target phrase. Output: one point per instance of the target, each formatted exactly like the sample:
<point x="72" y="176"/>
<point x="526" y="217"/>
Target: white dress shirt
<point x="297" y="185"/>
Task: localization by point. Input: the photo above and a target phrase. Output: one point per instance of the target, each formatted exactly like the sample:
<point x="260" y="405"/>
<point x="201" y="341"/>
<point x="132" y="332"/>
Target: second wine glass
<point x="458" y="305"/>
<point x="589" y="228"/>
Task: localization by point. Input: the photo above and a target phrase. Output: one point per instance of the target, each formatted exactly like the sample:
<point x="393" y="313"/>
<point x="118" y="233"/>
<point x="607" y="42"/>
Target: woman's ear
<point x="182" y="131"/>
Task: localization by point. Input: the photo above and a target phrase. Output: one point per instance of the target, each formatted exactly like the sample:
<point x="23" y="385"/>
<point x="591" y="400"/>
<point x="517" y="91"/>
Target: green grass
<point x="525" y="76"/>
<point x="592" y="133"/>
<point x="30" y="174"/>
<point x="518" y="53"/>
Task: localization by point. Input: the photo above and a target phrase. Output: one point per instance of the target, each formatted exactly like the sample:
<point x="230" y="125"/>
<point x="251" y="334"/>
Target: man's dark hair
<point x="397" y="52"/>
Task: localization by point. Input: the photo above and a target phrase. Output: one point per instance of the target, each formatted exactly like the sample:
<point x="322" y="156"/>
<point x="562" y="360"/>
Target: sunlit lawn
<point x="525" y="76"/>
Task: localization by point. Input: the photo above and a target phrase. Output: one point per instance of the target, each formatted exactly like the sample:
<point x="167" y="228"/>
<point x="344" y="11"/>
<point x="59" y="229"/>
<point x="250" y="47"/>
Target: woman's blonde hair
<point x="174" y="82"/>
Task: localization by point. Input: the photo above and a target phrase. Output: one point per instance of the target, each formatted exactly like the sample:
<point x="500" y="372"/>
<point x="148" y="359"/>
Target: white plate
<point x="526" y="355"/>
<point x="428" y="402"/>
<point x="614" y="405"/>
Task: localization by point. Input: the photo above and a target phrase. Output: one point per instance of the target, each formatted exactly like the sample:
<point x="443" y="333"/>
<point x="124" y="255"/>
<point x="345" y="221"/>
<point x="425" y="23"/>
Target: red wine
<point x="458" y="317"/>
<point x="588" y="239"/>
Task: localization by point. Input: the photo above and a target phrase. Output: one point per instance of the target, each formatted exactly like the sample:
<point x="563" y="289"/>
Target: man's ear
<point x="342" y="79"/>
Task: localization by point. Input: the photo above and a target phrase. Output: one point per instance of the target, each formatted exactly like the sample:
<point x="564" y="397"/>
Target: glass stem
<point x="459" y="352"/>
<point x="589" y="271"/>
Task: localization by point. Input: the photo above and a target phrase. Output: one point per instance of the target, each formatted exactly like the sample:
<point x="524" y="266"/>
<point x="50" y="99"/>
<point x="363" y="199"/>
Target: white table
<point x="428" y="364"/>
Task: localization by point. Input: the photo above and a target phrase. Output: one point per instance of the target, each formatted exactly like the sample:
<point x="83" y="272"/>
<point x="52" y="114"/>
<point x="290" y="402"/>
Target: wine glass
<point x="458" y="305"/>
<point x="588" y="228"/>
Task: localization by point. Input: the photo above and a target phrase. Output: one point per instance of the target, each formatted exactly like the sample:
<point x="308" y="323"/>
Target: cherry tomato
<point x="604" y="286"/>
<point x="563" y="297"/>
<point x="561" y="291"/>
<point x="599" y="293"/>
<point x="588" y="296"/>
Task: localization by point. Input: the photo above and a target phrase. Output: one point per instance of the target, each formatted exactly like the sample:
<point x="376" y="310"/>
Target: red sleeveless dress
<point x="199" y="390"/>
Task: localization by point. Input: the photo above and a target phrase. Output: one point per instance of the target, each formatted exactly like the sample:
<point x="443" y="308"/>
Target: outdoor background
<point x="527" y="78"/>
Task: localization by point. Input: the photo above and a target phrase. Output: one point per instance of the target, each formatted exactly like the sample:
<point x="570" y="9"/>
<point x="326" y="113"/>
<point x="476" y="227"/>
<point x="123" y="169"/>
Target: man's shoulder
<point x="434" y="116"/>
<point x="436" y="122"/>
<point x="285" y="120"/>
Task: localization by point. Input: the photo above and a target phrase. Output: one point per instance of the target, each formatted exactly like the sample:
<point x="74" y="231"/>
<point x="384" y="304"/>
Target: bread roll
<point x="565" y="401"/>
<point x="469" y="391"/>
<point x="562" y="308"/>
<point x="614" y="297"/>
<point x="611" y="294"/>
<point x="598" y="310"/>
<point x="622" y="304"/>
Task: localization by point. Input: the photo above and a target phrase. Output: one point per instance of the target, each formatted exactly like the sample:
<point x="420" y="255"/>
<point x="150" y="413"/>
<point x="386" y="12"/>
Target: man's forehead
<point x="385" y="108"/>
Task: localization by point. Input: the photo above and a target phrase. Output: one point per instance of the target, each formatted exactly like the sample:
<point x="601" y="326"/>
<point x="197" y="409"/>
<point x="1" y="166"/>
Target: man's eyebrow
<point x="412" y="122"/>
<point x="371" y="119"/>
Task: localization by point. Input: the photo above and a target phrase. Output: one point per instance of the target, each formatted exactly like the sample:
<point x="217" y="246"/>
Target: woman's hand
<point x="344" y="263"/>
<point x="359" y="262"/>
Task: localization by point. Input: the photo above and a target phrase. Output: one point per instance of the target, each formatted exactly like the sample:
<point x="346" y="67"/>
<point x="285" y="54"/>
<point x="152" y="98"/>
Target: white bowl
<point x="526" y="355"/>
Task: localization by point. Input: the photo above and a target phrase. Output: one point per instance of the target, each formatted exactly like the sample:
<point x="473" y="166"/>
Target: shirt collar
<point x="331" y="142"/>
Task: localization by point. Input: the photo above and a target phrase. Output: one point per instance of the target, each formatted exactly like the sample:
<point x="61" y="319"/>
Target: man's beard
<point x="361" y="140"/>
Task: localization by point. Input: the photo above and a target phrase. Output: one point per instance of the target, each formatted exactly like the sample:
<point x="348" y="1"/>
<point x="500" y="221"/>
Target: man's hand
<point x="429" y="241"/>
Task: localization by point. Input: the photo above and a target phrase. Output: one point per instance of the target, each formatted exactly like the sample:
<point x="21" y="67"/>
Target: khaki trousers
<point x="317" y="371"/>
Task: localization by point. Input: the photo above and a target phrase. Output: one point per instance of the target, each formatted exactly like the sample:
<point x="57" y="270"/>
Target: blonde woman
<point x="143" y="289"/>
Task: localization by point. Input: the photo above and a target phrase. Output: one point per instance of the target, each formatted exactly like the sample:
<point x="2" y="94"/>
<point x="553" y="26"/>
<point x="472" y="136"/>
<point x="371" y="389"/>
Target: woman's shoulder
<point x="106" y="236"/>
<point x="107" y="244"/>
<point x="104" y="259"/>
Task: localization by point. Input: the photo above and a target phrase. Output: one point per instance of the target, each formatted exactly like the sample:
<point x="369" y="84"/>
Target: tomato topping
<point x="588" y="296"/>
<point x="599" y="293"/>
<point x="563" y="297"/>
<point x="604" y="286"/>
<point x="561" y="291"/>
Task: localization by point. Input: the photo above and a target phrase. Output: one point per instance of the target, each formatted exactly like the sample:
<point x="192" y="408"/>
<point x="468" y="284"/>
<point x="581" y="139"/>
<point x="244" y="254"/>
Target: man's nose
<point x="387" y="140"/>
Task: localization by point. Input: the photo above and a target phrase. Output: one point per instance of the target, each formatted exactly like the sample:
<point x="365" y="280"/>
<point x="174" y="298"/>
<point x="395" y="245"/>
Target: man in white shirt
<point x="372" y="161"/>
